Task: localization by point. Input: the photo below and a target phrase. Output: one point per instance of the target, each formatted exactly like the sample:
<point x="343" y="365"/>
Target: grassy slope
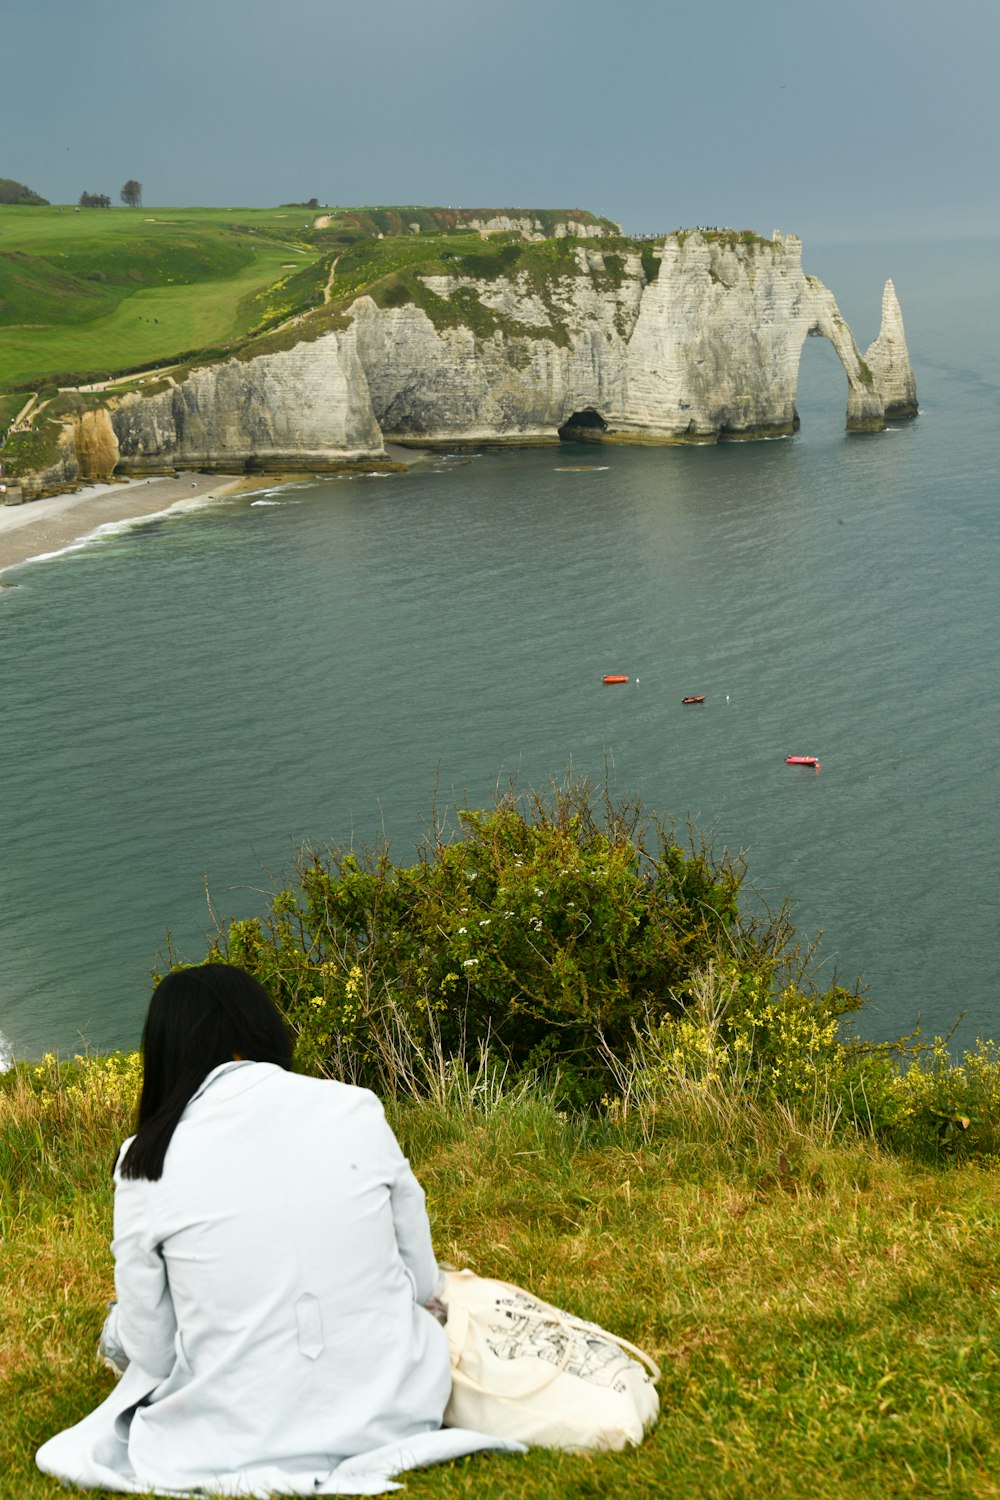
<point x="83" y="292"/>
<point x="827" y="1318"/>
<point x="10" y="406"/>
<point x="114" y="289"/>
<point x="391" y="271"/>
<point x="146" y="327"/>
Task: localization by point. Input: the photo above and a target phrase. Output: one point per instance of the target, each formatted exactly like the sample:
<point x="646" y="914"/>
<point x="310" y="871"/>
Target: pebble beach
<point x="39" y="528"/>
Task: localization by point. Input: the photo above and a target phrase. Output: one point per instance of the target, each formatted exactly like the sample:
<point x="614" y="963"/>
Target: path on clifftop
<point x="328" y="289"/>
<point x="24" y="416"/>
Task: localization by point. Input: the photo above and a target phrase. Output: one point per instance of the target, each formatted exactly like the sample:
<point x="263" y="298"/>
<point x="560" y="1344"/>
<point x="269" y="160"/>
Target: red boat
<point x="698" y="698"/>
<point x="802" y="760"/>
<point x="615" y="677"/>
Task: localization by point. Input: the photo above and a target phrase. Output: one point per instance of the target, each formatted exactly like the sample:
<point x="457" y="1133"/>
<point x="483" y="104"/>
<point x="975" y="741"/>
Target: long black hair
<point x="197" y="1019"/>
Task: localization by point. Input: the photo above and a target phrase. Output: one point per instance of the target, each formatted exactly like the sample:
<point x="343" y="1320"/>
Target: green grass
<point x="38" y="447"/>
<point x="113" y="289"/>
<point x="365" y="263"/>
<point x="148" y="327"/>
<point x="87" y="293"/>
<point x="397" y="220"/>
<point x="45" y="230"/>
<point x="10" y="406"/>
<point x="732" y="239"/>
<point x="391" y="271"/>
<point x="827" y="1317"/>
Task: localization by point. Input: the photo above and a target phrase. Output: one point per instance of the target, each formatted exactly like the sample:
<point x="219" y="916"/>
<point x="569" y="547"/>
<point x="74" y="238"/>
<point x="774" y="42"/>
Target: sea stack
<point x="889" y="360"/>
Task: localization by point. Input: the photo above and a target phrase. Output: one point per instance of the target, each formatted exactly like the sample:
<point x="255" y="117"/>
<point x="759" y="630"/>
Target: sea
<point x="189" y="702"/>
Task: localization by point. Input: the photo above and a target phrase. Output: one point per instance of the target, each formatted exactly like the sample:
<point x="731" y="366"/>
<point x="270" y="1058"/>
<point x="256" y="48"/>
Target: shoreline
<point x="39" y="529"/>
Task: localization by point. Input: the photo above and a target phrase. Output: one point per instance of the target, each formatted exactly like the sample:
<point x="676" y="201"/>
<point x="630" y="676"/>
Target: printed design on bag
<point x="525" y="1335"/>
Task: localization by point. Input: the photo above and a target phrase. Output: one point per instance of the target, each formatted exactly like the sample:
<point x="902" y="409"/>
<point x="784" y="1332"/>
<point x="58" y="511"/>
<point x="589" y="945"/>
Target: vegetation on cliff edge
<point x="826" y="1317"/>
<point x="801" y="1229"/>
<point x="572" y="937"/>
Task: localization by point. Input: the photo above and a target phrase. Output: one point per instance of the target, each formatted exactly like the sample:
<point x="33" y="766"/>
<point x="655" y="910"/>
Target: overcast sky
<point x="854" y="120"/>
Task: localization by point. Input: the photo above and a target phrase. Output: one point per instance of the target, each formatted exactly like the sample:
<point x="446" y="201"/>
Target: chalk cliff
<point x="716" y="347"/>
<point x="308" y="406"/>
<point x="707" y="346"/>
<point x="532" y="228"/>
<point x="889" y="361"/>
<point x="694" y="339"/>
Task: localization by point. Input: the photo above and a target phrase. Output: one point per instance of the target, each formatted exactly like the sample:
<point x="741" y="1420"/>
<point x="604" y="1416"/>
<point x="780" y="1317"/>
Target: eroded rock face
<point x="704" y="345"/>
<point x="96" y="446"/>
<point x="532" y="229"/>
<point x="708" y="348"/>
<point x="717" y="346"/>
<point x="889" y="360"/>
<point x="55" y="478"/>
<point x="555" y="352"/>
<point x="303" y="407"/>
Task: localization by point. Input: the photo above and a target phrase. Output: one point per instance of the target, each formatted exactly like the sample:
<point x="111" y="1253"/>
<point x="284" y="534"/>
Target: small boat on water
<point x="697" y="698"/>
<point x="802" y="760"/>
<point x="615" y="677"/>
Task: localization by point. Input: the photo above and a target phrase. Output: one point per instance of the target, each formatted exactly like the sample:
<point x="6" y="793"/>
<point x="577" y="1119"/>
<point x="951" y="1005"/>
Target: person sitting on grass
<point x="273" y="1260"/>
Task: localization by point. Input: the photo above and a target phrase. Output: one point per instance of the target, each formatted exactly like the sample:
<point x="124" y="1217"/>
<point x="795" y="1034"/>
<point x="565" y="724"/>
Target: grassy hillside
<point x="391" y="270"/>
<point x="105" y="290"/>
<point x="800" y="1228"/>
<point x="827" y="1317"/>
<point x="86" y="293"/>
<point x="10" y="404"/>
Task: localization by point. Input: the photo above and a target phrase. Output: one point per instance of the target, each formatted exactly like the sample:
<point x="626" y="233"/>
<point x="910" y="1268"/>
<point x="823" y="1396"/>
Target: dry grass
<point x="827" y="1318"/>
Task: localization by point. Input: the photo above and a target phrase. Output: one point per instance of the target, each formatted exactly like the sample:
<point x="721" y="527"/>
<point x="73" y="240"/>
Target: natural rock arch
<point x="865" y="408"/>
<point x="880" y="383"/>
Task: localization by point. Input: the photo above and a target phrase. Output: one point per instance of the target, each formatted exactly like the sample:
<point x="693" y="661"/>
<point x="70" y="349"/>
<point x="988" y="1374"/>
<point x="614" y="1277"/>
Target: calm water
<point x="194" y="698"/>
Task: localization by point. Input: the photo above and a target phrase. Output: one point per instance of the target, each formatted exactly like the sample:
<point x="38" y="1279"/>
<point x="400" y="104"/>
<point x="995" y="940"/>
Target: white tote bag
<point x="523" y="1369"/>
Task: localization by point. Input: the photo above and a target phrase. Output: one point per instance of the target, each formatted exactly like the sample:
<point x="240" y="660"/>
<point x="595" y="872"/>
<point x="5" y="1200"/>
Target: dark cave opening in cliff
<point x="583" y="427"/>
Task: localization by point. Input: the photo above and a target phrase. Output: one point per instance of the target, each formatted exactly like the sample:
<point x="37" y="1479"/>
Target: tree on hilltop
<point x="95" y="200"/>
<point x="131" y="194"/>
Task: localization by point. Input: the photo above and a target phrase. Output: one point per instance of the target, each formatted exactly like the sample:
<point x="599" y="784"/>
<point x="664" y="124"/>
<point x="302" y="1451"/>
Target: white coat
<point x="270" y="1289"/>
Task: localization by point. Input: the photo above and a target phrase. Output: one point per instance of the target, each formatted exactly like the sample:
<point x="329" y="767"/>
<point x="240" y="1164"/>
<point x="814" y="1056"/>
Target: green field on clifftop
<point x="105" y="290"/>
<point x="88" y="293"/>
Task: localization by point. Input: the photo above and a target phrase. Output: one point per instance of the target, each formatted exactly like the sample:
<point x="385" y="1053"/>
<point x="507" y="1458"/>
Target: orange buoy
<point x="615" y="677"/>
